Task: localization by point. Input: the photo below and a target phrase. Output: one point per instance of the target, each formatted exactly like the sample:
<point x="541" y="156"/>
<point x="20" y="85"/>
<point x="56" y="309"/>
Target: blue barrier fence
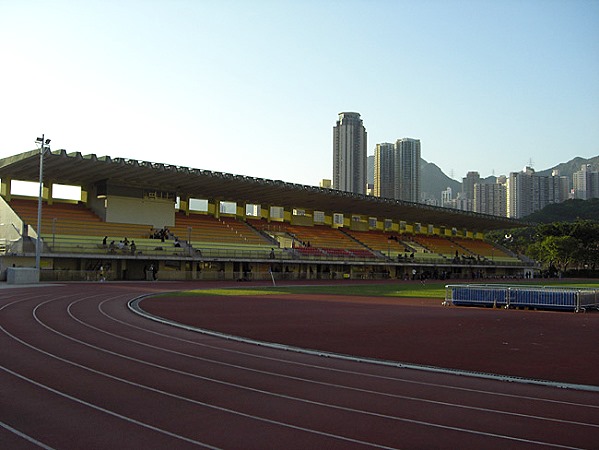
<point x="522" y="296"/>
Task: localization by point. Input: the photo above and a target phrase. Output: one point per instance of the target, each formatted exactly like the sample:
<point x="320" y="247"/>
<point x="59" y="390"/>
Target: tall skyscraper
<point x="468" y="183"/>
<point x="528" y="192"/>
<point x="349" y="154"/>
<point x="490" y="199"/>
<point x="586" y="183"/>
<point x="446" y="197"/>
<point x="407" y="170"/>
<point x="520" y="193"/>
<point x="384" y="170"/>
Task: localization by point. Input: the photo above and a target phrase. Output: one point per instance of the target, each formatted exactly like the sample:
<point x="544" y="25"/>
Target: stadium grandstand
<point x="137" y="220"/>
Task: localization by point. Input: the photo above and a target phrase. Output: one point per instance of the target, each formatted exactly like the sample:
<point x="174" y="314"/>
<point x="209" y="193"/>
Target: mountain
<point x="433" y="181"/>
<point x="568" y="211"/>
<point x="568" y="168"/>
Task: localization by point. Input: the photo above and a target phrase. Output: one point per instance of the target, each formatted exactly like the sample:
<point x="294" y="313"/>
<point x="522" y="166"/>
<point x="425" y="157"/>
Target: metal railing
<point x="522" y="296"/>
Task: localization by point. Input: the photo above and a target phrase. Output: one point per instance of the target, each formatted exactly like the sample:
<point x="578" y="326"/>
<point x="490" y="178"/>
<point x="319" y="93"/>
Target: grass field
<point x="417" y="290"/>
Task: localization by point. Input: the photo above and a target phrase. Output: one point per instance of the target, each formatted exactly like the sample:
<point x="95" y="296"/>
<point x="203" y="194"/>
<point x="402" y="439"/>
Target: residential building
<point x="370" y="169"/>
<point x="519" y="193"/>
<point x="490" y="199"/>
<point x="586" y="183"/>
<point x="407" y="170"/>
<point x="349" y="154"/>
<point x="468" y="183"/>
<point x="384" y="170"/>
<point x="528" y="192"/>
<point x="446" y="197"/>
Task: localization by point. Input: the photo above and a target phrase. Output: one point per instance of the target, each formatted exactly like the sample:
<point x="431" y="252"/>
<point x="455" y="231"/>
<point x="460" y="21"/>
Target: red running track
<point x="80" y="370"/>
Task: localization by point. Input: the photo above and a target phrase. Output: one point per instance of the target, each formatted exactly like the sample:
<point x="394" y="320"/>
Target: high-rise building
<point x="446" y="197"/>
<point x="384" y="170"/>
<point x="586" y="183"/>
<point x="468" y="183"/>
<point x="528" y="192"/>
<point x="407" y="170"/>
<point x="490" y="199"/>
<point x="519" y="193"/>
<point x="349" y="154"/>
<point x="370" y="169"/>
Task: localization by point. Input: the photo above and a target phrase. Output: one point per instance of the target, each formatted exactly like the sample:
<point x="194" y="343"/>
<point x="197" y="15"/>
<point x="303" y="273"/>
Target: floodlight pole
<point x="38" y="248"/>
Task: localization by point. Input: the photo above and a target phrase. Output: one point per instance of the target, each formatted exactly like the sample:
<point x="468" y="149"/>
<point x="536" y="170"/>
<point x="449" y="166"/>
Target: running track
<point x="81" y="371"/>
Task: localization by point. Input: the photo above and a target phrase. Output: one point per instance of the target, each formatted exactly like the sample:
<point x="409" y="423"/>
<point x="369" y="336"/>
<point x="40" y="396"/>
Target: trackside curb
<point x="133" y="305"/>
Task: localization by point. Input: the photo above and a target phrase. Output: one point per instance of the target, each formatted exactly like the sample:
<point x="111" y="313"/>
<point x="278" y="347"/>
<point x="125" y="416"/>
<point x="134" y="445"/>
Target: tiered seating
<point x="323" y="237"/>
<point x="74" y="228"/>
<point x="484" y="249"/>
<point x="75" y="219"/>
<point x="70" y="243"/>
<point x="209" y="232"/>
<point x="311" y="251"/>
<point x="318" y="240"/>
<point x="439" y="245"/>
<point x="386" y="243"/>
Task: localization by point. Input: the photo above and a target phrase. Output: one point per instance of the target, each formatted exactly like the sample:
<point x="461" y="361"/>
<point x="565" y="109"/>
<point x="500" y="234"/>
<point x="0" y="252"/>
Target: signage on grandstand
<point x="162" y="195"/>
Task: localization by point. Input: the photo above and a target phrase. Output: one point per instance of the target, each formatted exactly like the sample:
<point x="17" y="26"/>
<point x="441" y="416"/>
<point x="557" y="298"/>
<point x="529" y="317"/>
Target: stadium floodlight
<point x="44" y="145"/>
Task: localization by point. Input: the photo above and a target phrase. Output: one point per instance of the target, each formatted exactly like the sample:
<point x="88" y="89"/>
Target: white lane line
<point x="490" y="376"/>
<point x="107" y="411"/>
<point x="287" y="397"/>
<point x="321" y="383"/>
<point x="25" y="436"/>
<point x="168" y="394"/>
<point x="315" y="366"/>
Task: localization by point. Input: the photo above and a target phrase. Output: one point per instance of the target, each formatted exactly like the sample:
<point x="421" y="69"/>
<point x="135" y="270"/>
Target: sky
<point x="255" y="87"/>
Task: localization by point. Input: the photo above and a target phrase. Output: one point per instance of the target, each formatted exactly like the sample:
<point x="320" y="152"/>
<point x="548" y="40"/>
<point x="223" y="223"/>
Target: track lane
<point x="308" y="379"/>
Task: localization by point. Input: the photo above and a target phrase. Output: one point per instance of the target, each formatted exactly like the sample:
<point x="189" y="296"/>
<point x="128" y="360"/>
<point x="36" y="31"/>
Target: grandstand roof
<point x="84" y="170"/>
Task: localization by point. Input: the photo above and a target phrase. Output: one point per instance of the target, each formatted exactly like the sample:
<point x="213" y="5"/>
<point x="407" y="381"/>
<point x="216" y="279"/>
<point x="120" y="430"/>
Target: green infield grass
<point x="430" y="289"/>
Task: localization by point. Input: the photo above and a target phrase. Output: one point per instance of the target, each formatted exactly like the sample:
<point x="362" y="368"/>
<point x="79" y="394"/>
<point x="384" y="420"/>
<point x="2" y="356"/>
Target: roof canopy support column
<point x="5" y="188"/>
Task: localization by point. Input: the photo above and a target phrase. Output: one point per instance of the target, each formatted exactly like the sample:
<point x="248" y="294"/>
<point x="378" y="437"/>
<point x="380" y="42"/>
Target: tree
<point x="558" y="245"/>
<point x="559" y="251"/>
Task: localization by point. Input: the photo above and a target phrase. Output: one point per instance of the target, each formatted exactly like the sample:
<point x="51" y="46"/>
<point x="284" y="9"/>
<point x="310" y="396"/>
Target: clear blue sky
<point x="254" y="87"/>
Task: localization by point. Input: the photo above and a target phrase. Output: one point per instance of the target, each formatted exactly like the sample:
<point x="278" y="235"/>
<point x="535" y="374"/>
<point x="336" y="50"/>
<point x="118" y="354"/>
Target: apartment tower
<point x="384" y="170"/>
<point x="349" y="154"/>
<point x="407" y="170"/>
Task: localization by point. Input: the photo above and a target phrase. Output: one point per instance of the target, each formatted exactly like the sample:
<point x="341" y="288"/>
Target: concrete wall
<point x="22" y="275"/>
<point x="11" y="226"/>
<point x="155" y="212"/>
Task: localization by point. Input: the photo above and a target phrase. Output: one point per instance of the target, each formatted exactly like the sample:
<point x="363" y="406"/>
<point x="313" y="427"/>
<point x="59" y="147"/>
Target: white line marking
<point x="104" y="410"/>
<point x="134" y="305"/>
<point x="305" y="380"/>
<point x="25" y="436"/>
<point x="287" y="397"/>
